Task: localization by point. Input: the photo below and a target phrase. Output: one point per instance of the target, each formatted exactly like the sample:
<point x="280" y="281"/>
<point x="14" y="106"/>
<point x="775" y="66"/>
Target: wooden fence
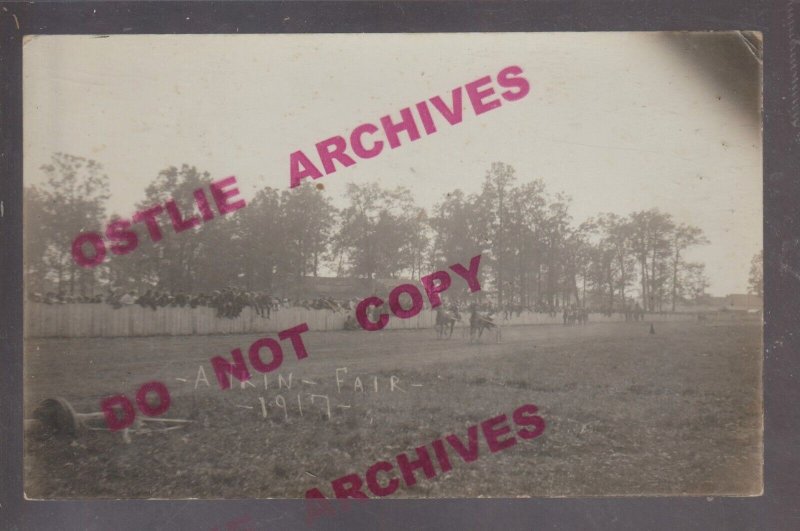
<point x="101" y="320"/>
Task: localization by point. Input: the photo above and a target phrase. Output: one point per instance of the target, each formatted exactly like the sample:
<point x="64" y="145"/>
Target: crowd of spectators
<point x="61" y="298"/>
<point x="228" y="302"/>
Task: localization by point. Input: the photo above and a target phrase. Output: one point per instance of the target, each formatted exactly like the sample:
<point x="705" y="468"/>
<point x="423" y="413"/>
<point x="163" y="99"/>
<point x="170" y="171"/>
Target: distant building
<point x="743" y="302"/>
<point x="734" y="302"/>
<point x="339" y="288"/>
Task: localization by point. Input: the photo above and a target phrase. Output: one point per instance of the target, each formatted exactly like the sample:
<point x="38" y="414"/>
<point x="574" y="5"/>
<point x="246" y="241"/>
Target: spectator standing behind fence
<point x="148" y="300"/>
<point x="228" y="302"/>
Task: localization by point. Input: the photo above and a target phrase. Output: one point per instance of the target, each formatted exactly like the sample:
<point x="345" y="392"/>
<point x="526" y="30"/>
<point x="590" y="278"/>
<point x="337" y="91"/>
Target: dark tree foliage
<point x="534" y="255"/>
<point x="72" y="200"/>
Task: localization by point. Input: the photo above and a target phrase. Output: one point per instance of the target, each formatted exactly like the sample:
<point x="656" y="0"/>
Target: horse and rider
<point x="447" y="317"/>
<point x="446" y="321"/>
<point x="575" y="315"/>
<point x="479" y="322"/>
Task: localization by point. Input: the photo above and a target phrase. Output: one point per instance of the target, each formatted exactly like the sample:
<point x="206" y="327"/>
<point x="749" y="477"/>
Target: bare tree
<point x="756" y="279"/>
<point x="683" y="237"/>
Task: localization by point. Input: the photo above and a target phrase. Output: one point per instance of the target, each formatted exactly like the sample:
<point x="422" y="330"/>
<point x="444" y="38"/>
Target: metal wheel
<point x="57" y="417"/>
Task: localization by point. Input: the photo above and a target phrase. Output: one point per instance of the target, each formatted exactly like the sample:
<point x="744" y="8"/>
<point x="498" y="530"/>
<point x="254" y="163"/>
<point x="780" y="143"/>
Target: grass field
<point x="628" y="413"/>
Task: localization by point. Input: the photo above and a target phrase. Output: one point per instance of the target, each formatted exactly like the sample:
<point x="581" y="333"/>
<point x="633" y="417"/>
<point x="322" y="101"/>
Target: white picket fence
<point x="101" y="320"/>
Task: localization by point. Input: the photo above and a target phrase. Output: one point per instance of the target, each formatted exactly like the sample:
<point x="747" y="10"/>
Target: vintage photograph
<point x="450" y="265"/>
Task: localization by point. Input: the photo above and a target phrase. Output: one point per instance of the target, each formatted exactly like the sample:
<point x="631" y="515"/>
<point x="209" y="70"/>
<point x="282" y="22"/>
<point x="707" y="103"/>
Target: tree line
<point x="534" y="254"/>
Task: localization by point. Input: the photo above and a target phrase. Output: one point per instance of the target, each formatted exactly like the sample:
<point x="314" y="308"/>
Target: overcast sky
<point x="619" y="121"/>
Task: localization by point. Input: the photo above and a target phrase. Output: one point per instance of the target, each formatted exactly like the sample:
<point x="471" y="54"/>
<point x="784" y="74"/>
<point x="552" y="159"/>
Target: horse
<point x="445" y="319"/>
<point x="478" y="323"/>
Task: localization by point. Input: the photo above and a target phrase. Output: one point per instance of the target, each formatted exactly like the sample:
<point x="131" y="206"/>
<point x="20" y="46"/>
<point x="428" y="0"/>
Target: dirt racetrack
<point x="628" y="413"/>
